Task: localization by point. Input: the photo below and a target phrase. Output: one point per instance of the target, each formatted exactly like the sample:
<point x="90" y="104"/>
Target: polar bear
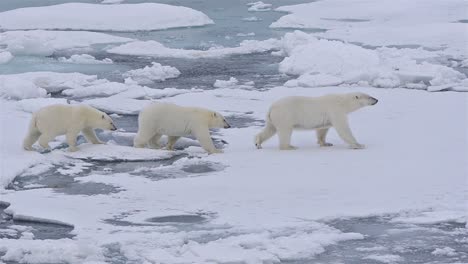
<point x="176" y="121"/>
<point x="308" y="113"/>
<point x="51" y="121"/>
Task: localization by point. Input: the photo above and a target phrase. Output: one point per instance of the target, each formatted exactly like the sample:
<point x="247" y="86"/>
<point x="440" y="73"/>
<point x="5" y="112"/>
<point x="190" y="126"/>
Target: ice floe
<point x="425" y="23"/>
<point x="156" y="49"/>
<point x="42" y="42"/>
<point x="84" y="16"/>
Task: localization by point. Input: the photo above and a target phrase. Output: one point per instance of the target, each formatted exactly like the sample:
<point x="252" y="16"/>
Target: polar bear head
<point x="358" y="100"/>
<point x="103" y="121"/>
<point x="217" y="120"/>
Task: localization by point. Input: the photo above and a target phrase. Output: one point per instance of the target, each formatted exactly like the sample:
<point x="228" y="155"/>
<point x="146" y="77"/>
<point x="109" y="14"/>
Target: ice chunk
<point x="16" y="88"/>
<point x="33" y="104"/>
<point x="148" y="74"/>
<point x="321" y="62"/>
<point x="38" y="84"/>
<point x="83" y="16"/>
<point x="84" y="59"/>
<point x="387" y="258"/>
<point x="258" y="6"/>
<point x="225" y="84"/>
<point x="5" y="57"/>
<point x="446" y="251"/>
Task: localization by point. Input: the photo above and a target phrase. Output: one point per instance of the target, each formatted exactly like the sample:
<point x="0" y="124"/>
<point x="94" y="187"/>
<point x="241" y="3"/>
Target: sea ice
<point x="42" y="42"/>
<point x="84" y="16"/>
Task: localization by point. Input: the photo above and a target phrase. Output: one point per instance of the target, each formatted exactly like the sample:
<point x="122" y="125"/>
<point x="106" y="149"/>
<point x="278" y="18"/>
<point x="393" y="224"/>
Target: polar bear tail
<point x="33" y="134"/>
<point x="267" y="132"/>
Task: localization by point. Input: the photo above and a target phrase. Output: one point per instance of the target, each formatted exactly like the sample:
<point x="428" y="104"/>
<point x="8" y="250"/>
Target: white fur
<point x="319" y="113"/>
<point x="176" y="121"/>
<point x="69" y="120"/>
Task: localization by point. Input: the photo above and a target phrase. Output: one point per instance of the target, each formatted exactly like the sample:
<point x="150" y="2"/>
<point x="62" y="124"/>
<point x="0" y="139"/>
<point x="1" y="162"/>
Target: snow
<point x="321" y="62"/>
<point x="42" y="42"/>
<point x="14" y="160"/>
<point x="387" y="22"/>
<point x="149" y="74"/>
<point x="84" y="59"/>
<point x="33" y="104"/>
<point x="83" y="16"/>
<point x="293" y="200"/>
<point x="118" y="105"/>
<point x="156" y="49"/>
<point x="253" y="206"/>
<point x="117" y="153"/>
<point x="101" y="89"/>
<point x="258" y="6"/>
<point x="5" y="57"/>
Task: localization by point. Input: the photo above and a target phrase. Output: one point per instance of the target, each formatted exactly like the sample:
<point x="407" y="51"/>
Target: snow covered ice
<point x="400" y="200"/>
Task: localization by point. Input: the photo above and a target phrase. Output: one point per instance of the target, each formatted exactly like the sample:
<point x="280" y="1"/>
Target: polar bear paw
<point x="288" y="148"/>
<point x="326" y="144"/>
<point x="216" y="151"/>
<point x="72" y="149"/>
<point x="357" y="146"/>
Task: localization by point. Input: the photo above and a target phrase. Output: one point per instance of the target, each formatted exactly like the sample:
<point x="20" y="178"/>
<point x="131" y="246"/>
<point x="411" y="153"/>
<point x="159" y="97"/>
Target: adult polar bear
<point x="176" y="121"/>
<point x="319" y="113"/>
<point x="69" y="120"/>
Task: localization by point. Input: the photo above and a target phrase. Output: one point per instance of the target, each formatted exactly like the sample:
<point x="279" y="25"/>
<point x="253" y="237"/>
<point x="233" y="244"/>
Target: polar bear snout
<point x="373" y="101"/>
<point x="113" y="127"/>
<point x="226" y="124"/>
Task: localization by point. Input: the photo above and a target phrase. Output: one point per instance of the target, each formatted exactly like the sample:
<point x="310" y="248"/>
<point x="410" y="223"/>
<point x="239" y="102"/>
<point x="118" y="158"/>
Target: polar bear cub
<point x="319" y="113"/>
<point x="176" y="121"/>
<point x="69" y="120"/>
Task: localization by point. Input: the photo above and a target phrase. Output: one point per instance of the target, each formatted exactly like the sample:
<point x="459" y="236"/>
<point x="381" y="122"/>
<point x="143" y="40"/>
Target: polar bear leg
<point x="284" y="135"/>
<point x="171" y="142"/>
<point x="71" y="140"/>
<point x="91" y="136"/>
<point x="142" y="138"/>
<point x="321" y="135"/>
<point x="44" y="140"/>
<point x="340" y="123"/>
<point x="203" y="136"/>
<point x="154" y="141"/>
<point x="30" y="139"/>
<point x="266" y="134"/>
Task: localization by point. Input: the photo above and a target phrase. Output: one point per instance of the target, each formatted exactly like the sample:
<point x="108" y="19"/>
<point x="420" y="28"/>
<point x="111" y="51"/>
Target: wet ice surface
<point x="412" y="243"/>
